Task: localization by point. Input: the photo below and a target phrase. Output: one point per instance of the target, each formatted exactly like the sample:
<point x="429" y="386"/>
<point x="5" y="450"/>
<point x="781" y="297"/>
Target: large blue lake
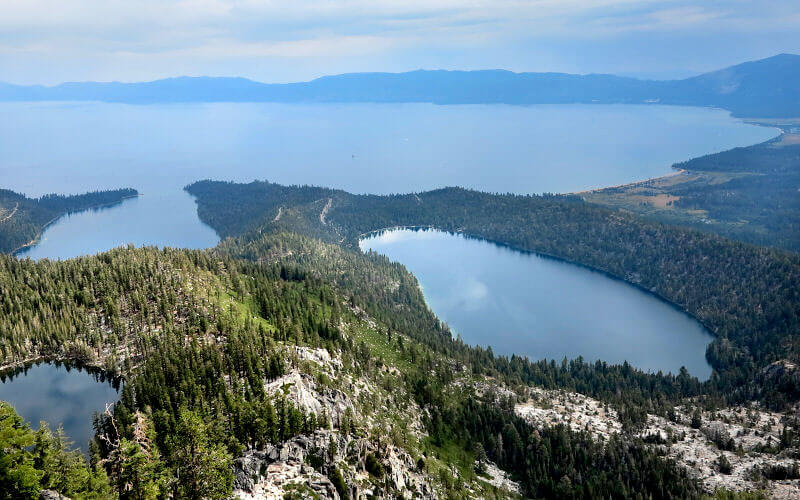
<point x="525" y="304"/>
<point x="376" y="148"/>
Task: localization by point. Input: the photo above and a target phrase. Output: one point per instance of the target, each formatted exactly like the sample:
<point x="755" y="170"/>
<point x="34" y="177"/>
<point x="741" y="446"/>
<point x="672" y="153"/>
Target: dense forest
<point x="391" y="295"/>
<point x="748" y="193"/>
<point x="22" y="219"/>
<point x="746" y="295"/>
<point x="196" y="334"/>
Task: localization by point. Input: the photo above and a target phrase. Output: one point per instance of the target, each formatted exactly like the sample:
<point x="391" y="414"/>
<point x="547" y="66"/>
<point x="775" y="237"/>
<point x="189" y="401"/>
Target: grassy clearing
<point x="451" y="452"/>
<point x="243" y="310"/>
<point x="380" y="346"/>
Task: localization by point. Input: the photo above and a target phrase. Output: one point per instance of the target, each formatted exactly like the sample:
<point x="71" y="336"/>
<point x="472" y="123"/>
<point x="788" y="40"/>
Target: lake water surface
<point x="58" y="394"/>
<point x="525" y="304"/>
<point x="375" y="148"/>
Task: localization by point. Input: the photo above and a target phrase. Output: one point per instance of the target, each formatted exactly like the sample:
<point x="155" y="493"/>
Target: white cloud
<point x="105" y="35"/>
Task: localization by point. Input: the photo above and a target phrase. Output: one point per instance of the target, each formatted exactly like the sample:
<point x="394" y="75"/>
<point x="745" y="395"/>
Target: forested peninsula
<point x="23" y="219"/>
<point x="746" y="295"/>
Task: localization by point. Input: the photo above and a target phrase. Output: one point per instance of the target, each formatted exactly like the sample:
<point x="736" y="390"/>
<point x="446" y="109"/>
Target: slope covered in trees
<point x="33" y="460"/>
<point x="131" y="312"/>
<point x="746" y="295"/>
<point x="198" y="335"/>
<point x="22" y="219"/>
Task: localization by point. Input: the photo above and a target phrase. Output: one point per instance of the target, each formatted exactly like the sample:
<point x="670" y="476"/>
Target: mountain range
<point x="766" y="88"/>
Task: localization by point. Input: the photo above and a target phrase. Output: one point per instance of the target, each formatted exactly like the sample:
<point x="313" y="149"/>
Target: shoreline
<point x="38" y="237"/>
<point x="545" y="255"/>
<point x="679" y="171"/>
<point x="94" y="365"/>
<point x="675" y="172"/>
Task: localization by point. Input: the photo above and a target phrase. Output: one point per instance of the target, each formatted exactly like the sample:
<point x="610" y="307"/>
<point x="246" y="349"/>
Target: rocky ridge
<point x="371" y="442"/>
<point x="747" y="436"/>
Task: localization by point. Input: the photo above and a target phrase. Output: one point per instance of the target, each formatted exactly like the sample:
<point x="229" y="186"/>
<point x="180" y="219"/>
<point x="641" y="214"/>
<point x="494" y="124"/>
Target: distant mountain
<point x="766" y="88"/>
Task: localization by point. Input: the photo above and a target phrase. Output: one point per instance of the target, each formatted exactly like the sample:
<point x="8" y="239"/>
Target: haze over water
<point x="375" y="148"/>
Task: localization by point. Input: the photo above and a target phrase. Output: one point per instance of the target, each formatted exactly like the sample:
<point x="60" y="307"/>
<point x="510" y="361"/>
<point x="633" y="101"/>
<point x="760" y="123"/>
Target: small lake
<point x="59" y="394"/>
<point x="529" y="305"/>
<point x="363" y="148"/>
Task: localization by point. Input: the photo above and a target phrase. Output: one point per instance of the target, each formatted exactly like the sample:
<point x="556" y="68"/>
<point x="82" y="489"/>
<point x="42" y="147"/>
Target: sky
<point x="52" y="41"/>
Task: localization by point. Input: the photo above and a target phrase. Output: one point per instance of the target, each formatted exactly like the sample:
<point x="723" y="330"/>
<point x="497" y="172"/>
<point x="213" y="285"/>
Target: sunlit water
<point x="376" y="148"/>
<point x="525" y="304"/>
<point x="59" y="395"/>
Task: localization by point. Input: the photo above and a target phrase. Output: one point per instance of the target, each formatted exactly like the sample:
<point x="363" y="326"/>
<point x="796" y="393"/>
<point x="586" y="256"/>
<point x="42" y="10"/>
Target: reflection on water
<point x="525" y="304"/>
<point x="59" y="394"/>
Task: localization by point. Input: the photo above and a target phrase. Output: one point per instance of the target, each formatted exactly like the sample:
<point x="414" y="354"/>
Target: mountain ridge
<point x="765" y="88"/>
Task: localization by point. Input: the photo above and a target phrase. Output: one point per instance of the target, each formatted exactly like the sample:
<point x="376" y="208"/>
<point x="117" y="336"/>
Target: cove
<point x="59" y="394"/>
<point x="74" y="147"/>
<point x="157" y="219"/>
<point x="543" y="308"/>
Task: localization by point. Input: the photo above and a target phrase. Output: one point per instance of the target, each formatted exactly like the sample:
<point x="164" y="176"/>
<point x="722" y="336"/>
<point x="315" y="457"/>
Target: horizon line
<point x="418" y="70"/>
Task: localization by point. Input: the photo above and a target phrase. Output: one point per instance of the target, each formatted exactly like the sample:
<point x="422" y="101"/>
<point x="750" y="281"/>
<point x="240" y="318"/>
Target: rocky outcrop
<point x="578" y="412"/>
<point x="500" y="478"/>
<point x="251" y="467"/>
<point x="782" y="376"/>
<point x="51" y="495"/>
<point x="319" y="356"/>
<point x="301" y="390"/>
<point x="745" y="435"/>
<point x="780" y="369"/>
<point x="280" y="477"/>
<point x="308" y="463"/>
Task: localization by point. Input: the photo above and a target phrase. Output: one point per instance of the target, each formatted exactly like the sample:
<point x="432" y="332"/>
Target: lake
<point x="529" y="305"/>
<point x="377" y="148"/>
<point x="58" y="394"/>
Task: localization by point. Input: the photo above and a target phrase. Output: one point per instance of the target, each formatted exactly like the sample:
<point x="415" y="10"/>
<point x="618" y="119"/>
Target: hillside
<point x="766" y="88"/>
<point x="753" y="311"/>
<point x="265" y="379"/>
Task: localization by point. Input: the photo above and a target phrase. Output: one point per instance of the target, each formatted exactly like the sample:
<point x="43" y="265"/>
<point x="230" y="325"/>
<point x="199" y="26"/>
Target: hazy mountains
<point x="764" y="88"/>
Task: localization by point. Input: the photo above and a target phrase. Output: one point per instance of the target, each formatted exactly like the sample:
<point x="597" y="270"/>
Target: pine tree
<point x="202" y="467"/>
<point x="19" y="478"/>
<point x="480" y="459"/>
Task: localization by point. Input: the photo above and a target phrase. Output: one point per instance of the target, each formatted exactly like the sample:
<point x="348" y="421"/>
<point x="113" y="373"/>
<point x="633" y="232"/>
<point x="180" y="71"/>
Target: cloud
<point x="105" y="36"/>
